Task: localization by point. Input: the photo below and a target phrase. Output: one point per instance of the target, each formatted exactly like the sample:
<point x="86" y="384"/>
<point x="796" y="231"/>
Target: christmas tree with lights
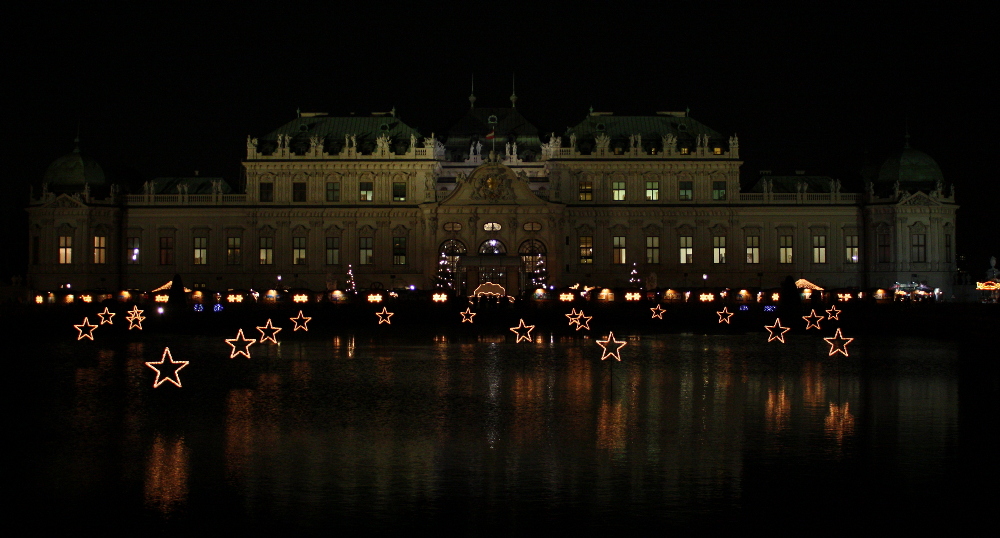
<point x="634" y="279"/>
<point x="352" y="286"/>
<point x="445" y="278"/>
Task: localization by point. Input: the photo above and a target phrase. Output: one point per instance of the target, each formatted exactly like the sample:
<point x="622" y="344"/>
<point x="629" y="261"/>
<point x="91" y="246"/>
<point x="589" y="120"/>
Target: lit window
<point x="618" y="249"/>
<point x="652" y="249"/>
<point x="234" y="250"/>
<point x="819" y="249"/>
<point x="685" y="190"/>
<point x="399" y="192"/>
<point x="298" y="251"/>
<point x="332" y="250"/>
<point x="453" y="226"/>
<point x="586" y="191"/>
<point x="100" y="249"/>
<point x="532" y="226"/>
<point x="718" y="190"/>
<point x="298" y="192"/>
<point x="200" y="250"/>
<point x="685" y="151"/>
<point x="492" y="227"/>
<point x="266" y="192"/>
<point x="399" y="250"/>
<point x="132" y="244"/>
<point x="365" y="250"/>
<point x="652" y="191"/>
<point x="918" y="247"/>
<point x="266" y="250"/>
<point x="586" y="249"/>
<point x="717" y="151"/>
<point x="686" y="249"/>
<point x="718" y="249"/>
<point x="618" y="190"/>
<point x="785" y="249"/>
<point x="753" y="248"/>
<point x="851" y="246"/>
<point x="366" y="191"/>
<point x="65" y="249"/>
<point x="166" y="251"/>
<point x="332" y="191"/>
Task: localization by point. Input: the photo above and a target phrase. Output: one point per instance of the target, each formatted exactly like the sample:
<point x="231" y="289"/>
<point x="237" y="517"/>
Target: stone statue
<point x="572" y="140"/>
<point x="251" y="143"/>
<point x="603" y="141"/>
<point x="507" y="149"/>
<point x="992" y="273"/>
<point x="871" y="190"/>
<point x="479" y="147"/>
<point x="354" y="141"/>
<point x="86" y="190"/>
<point x="513" y="148"/>
<point x="896" y="192"/>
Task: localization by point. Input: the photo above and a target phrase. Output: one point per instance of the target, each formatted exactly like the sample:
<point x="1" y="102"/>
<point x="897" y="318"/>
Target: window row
<point x="685" y="246"/>
<point x="366" y="191"/>
<point x="685" y="191"/>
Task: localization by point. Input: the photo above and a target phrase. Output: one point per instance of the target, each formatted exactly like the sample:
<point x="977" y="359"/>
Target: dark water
<point x="478" y="435"/>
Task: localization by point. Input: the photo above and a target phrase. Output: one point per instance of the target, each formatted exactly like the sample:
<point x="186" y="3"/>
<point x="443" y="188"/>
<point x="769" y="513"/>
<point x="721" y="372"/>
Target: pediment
<point x="493" y="183"/>
<point x="918" y="198"/>
<point x="65" y="201"/>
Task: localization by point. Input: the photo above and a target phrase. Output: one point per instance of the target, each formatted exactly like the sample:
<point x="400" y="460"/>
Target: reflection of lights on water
<point x="777" y="410"/>
<point x="839" y="422"/>
<point x="166" y="485"/>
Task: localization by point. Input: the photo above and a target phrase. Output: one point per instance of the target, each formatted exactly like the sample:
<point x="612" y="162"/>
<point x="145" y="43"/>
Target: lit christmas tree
<point x="540" y="276"/>
<point x="634" y="279"/>
<point x="445" y="278"/>
<point x="351" y="285"/>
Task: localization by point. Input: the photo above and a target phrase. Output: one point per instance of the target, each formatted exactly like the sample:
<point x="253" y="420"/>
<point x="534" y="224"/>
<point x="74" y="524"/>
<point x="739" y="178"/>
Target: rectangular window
<point x="819" y="249"/>
<point x="266" y="192"/>
<point x="947" y="248"/>
<point x="685" y="151"/>
<point x="266" y="250"/>
<point x="652" y="249"/>
<point x="686" y="248"/>
<point x="399" y="250"/>
<point x="298" y="250"/>
<point x="200" y="250"/>
<point x="65" y="249"/>
<point x="785" y="249"/>
<point x="166" y="251"/>
<point x="652" y="191"/>
<point x="685" y="190"/>
<point x="132" y="243"/>
<point x="753" y="248"/>
<point x="365" y="250"/>
<point x="298" y="192"/>
<point x="717" y="151"/>
<point x="851" y="248"/>
<point x="618" y="249"/>
<point x="332" y="250"/>
<point x="918" y="247"/>
<point x="332" y="191"/>
<point x="234" y="250"/>
<point x="718" y="249"/>
<point x="365" y="191"/>
<point x="618" y="191"/>
<point x="718" y="190"/>
<point x="586" y="249"/>
<point x="884" y="249"/>
<point x="100" y="249"/>
<point x="586" y="191"/>
<point x="398" y="192"/>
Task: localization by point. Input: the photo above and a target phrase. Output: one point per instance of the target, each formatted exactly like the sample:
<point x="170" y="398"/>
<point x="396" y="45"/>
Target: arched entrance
<point x="534" y="273"/>
<point x="448" y="274"/>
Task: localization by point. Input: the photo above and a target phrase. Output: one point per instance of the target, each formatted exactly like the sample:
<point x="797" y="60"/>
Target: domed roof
<point x="910" y="166"/>
<point x="73" y="170"/>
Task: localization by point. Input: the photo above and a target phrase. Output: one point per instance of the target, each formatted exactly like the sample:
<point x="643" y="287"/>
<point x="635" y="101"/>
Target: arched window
<point x="451" y="252"/>
<point x="533" y="262"/>
<point x="492" y="246"/>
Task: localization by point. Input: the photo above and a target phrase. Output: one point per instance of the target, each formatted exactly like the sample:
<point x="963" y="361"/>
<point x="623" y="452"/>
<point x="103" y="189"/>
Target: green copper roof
<point x="332" y="130"/>
<point x="510" y="126"/>
<point x="910" y="166"/>
<point x="618" y="127"/>
<point x="73" y="170"/>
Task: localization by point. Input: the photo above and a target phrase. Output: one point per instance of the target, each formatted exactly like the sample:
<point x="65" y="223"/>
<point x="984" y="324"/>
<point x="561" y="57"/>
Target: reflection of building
<point x="662" y="191"/>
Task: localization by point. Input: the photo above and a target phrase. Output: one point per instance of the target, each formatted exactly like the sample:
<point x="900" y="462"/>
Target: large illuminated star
<point x="725" y="315"/>
<point x="383" y="316"/>
<point x="612" y="348"/>
<point x="268" y="332"/>
<point x="838" y="344"/>
<point x="658" y="311"/>
<point x="833" y="313"/>
<point x="170" y="366"/>
<point x="467" y="315"/>
<point x="812" y="320"/>
<point x="777" y="331"/>
<point x="240" y="342"/>
<point x="583" y="322"/>
<point x="522" y="331"/>
<point x="573" y="317"/>
<point x="135" y="318"/>
<point x="301" y="322"/>
<point x="85" y="329"/>
<point x="106" y="316"/>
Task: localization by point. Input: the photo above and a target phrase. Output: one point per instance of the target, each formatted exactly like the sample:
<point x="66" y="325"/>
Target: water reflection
<point x="166" y="486"/>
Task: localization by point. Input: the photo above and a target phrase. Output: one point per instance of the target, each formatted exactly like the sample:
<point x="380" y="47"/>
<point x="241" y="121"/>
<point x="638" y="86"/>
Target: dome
<point x="73" y="170"/>
<point x="910" y="166"/>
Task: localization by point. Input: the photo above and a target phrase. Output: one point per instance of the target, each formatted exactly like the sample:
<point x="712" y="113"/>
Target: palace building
<point x="492" y="200"/>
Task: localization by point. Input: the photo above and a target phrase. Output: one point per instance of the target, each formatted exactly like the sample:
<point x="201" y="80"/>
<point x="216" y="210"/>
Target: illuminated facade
<point x="324" y="193"/>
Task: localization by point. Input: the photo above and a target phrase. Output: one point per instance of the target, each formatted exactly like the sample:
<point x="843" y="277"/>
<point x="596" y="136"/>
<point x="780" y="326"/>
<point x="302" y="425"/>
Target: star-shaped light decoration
<point x="833" y="313"/>
<point x="725" y="315"/>
<point x="85" y="329"/>
<point x="106" y="316"/>
<point x="268" y="332"/>
<point x="584" y="321"/>
<point x="135" y="318"/>
<point x="777" y="331"/>
<point x="383" y="316"/>
<point x="467" y="315"/>
<point x="522" y="331"/>
<point x="573" y="317"/>
<point x="301" y="322"/>
<point x="658" y="311"/>
<point x="169" y="367"/>
<point x="240" y="344"/>
<point x="812" y="320"/>
<point x="838" y="344"/>
<point x="612" y="348"/>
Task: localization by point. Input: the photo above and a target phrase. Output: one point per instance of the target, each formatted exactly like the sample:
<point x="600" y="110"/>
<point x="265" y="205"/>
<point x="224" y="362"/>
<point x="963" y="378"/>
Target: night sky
<point x="170" y="91"/>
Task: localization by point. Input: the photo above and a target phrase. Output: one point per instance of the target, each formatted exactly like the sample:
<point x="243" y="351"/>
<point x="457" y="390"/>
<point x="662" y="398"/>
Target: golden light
<point x="440" y="297"/>
<point x="988" y="286"/>
<point x="564" y="297"/>
<point x="338" y="296"/>
<point x="161" y="298"/>
<point x="776" y="331"/>
<point x="522" y="331"/>
<point x="300" y="298"/>
<point x="807" y="293"/>
<point x="167" y="361"/>
<point x="775" y="296"/>
<point x="268" y="332"/>
<point x="39" y="299"/>
<point x="301" y="322"/>
<point x="706" y="297"/>
<point x="632" y="296"/>
<point x="374" y="297"/>
<point x="606" y="295"/>
<point x="124" y="295"/>
<point x="243" y="347"/>
<point x="135" y="318"/>
<point x="85" y="330"/>
<point x="234" y="298"/>
<point x="384" y="316"/>
<point x="69" y="298"/>
<point x="87" y="298"/>
<point x="612" y="348"/>
<point x="844" y="296"/>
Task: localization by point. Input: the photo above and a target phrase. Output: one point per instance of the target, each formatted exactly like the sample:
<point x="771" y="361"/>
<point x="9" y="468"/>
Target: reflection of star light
<point x="522" y="331"/>
<point x="240" y="342"/>
<point x="574" y="317"/>
<point x="812" y="320"/>
<point x="467" y="315"/>
<point x="169" y="365"/>
<point x="269" y="332"/>
<point x="658" y="312"/>
<point x="106" y="316"/>
<point x="725" y="315"/>
<point x="612" y="347"/>
<point x="135" y="318"/>
<point x="383" y="316"/>
<point x="777" y="331"/>
<point x="833" y="313"/>
<point x="838" y="344"/>
<point x="300" y="322"/>
<point x="86" y="330"/>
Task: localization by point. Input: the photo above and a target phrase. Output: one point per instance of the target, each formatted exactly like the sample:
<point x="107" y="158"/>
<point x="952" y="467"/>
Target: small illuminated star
<point x="383" y="316"/>
<point x="574" y="317"/>
<point x="838" y="344"/>
<point x="240" y="342"/>
<point x="583" y="322"/>
<point x="522" y="331"/>
<point x="658" y="311"/>
<point x="135" y="318"/>
<point x="777" y="331"/>
<point x="167" y="363"/>
<point x="725" y="315"/>
<point x="812" y="320"/>
<point x="300" y="322"/>
<point x="106" y="316"/>
<point x="467" y="315"/>
<point x="268" y="332"/>
<point x="85" y="329"/>
<point x="615" y="345"/>
<point x="833" y="313"/>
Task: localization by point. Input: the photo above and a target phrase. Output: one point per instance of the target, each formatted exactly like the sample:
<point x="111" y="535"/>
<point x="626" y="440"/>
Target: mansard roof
<point x="72" y="171"/>
<point x="332" y="131"/>
<point x="510" y="126"/>
<point x="653" y="127"/>
<point x="194" y="185"/>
